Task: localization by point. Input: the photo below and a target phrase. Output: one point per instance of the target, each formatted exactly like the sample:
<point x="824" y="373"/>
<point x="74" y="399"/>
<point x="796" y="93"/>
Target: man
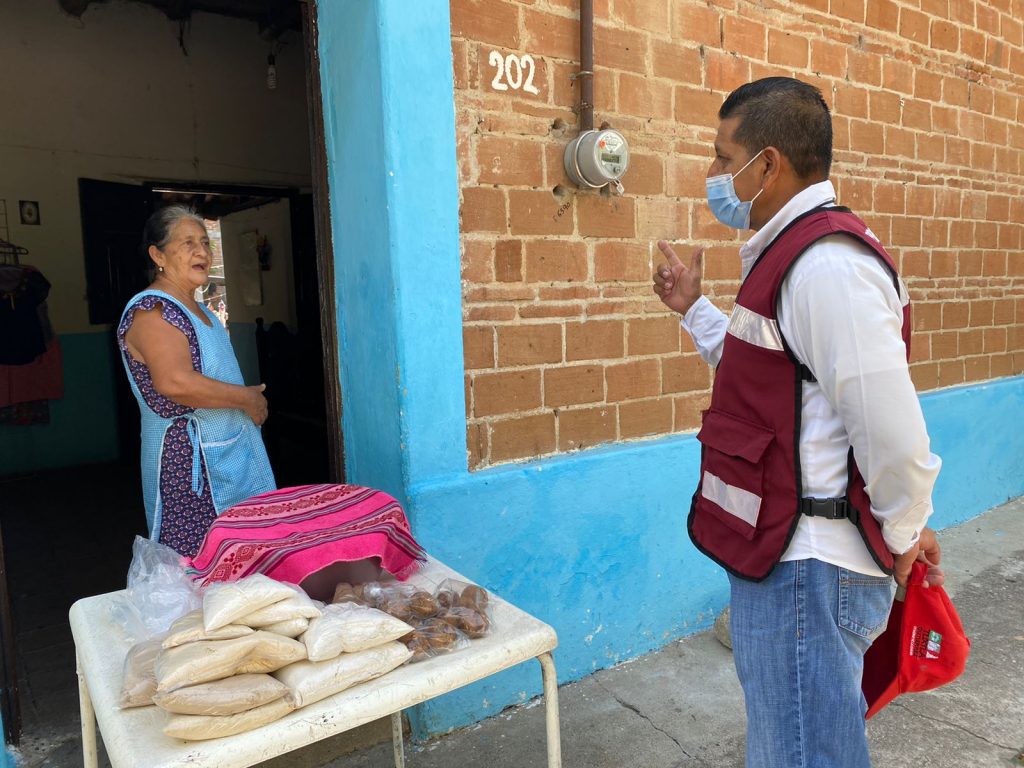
<point x="816" y="474"/>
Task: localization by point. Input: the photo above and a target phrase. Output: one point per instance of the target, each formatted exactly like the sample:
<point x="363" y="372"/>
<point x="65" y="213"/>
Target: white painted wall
<point x="112" y="96"/>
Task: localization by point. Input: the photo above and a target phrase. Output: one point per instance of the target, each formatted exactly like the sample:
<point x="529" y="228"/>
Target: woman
<point x="201" y="445"/>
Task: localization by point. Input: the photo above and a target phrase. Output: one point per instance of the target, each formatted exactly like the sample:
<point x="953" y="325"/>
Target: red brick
<point x="605" y="216"/>
<point x="743" y="36"/>
<point x="632" y="380"/>
<point x="506" y="392"/>
<point x="509" y="162"/>
<point x="585" y="427"/>
<point x="653" y="335"/>
<point x="787" y="49"/>
<point x="697" y="22"/>
<point x="865" y="68"/>
<point x="548" y="34"/>
<point x="483" y="210"/>
<point x="522" y="438"/>
<point x="555" y="261"/>
<point x="867" y="137"/>
<point x="537" y="213"/>
<point x="914" y="26"/>
<point x="724" y="71"/>
<point x="684" y="373"/>
<point x="828" y="58"/>
<point x="676" y="62"/>
<point x="594" y="340"/>
<point x="944" y="35"/>
<point x="529" y="344"/>
<point x="639" y="418"/>
<point x="508" y="261"/>
<point x="476" y="444"/>
<point x="885" y="106"/>
<point x="688" y="410"/>
<point x="686" y="177"/>
<point x="696" y="106"/>
<point x="848" y="9"/>
<point x="652" y="15"/>
<point x="645" y="175"/>
<point x="478" y="346"/>
<point x="661" y="219"/>
<point x="917" y="114"/>
<point x="644" y="97"/>
<point x="573" y="385"/>
<point x="882" y="14"/>
<point x="535" y="311"/>
<point x="477" y="261"/>
<point x="618" y="48"/>
<point x="488" y="21"/>
<point x="622" y="262"/>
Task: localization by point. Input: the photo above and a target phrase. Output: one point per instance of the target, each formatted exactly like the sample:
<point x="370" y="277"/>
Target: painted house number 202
<point x="513" y="72"/>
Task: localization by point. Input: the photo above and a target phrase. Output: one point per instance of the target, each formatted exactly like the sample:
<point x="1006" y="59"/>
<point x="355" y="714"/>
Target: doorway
<point x="68" y="532"/>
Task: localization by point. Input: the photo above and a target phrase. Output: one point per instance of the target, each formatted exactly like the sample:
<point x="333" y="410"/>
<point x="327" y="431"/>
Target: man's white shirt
<point x="842" y="316"/>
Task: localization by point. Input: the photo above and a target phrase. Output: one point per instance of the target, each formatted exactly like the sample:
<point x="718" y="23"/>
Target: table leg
<point x="547" y="668"/>
<point x="398" y="739"/>
<point x="89" y="757"/>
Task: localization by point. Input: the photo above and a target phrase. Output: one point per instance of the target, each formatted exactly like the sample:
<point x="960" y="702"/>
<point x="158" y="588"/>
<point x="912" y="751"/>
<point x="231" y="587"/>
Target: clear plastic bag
<point x="443" y="621"/>
<point x="159" y="591"/>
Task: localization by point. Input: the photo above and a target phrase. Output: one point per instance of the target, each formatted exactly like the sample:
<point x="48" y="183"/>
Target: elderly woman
<point x="201" y="445"/>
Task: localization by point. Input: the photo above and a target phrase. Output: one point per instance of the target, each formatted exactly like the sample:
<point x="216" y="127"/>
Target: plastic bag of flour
<point x="206" y="660"/>
<point x="348" y="628"/>
<point x="310" y="682"/>
<point x="229" y="696"/>
<point x="292" y="628"/>
<point x="189" y="628"/>
<point x="227" y="601"/>
<point x="139" y="681"/>
<point x="200" y="727"/>
<point x="298" y="606"/>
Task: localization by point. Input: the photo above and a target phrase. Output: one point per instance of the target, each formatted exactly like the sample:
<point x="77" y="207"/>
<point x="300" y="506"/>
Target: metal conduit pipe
<point x="586" y="73"/>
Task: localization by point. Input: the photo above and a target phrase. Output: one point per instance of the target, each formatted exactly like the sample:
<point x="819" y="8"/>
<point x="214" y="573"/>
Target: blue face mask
<point x="725" y="204"/>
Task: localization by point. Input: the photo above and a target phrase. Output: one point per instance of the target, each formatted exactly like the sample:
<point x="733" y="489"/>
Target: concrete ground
<point x="676" y="708"/>
<point x="682" y="706"/>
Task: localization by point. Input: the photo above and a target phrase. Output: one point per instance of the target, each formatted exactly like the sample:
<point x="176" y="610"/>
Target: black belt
<point x="830" y="509"/>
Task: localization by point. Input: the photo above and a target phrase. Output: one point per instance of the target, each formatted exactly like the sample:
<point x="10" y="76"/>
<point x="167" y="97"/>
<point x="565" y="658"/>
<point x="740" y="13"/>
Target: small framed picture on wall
<point x="29" y="211"/>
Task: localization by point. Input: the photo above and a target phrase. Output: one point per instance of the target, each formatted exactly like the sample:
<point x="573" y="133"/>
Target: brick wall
<point x="565" y="345"/>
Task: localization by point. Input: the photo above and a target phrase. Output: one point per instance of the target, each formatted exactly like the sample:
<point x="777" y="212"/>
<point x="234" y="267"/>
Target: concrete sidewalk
<point x="682" y="706"/>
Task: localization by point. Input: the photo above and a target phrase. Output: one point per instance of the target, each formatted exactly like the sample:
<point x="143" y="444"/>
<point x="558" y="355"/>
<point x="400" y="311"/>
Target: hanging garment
<point x="41" y="379"/>
<point x="195" y="462"/>
<point x="23" y="289"/>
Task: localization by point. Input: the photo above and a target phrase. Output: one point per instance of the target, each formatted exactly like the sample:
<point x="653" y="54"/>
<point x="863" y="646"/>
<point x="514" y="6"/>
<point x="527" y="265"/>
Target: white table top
<point x="134" y="737"/>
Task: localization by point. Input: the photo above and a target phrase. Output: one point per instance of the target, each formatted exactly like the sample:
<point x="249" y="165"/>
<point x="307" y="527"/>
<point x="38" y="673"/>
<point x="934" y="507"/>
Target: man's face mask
<point x="725" y="204"/>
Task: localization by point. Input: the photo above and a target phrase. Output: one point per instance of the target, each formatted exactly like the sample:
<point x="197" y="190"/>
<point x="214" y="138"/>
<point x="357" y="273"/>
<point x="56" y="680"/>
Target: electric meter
<point x="597" y="158"/>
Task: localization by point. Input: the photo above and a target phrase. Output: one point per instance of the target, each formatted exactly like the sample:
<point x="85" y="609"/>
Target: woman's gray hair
<point x="159" y="225"/>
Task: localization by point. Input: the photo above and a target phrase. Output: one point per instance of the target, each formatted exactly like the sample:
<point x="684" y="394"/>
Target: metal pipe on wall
<point x="586" y="73"/>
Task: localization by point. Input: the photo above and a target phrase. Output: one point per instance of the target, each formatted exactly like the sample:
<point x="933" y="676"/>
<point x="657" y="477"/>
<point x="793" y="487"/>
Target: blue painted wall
<point x="593" y="543"/>
<point x="83" y="426"/>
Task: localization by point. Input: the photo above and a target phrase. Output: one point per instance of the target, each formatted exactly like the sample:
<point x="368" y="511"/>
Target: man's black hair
<point x="786" y="114"/>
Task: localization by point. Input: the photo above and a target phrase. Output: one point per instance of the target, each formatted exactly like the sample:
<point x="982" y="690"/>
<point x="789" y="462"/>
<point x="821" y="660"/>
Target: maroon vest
<point x="747" y="503"/>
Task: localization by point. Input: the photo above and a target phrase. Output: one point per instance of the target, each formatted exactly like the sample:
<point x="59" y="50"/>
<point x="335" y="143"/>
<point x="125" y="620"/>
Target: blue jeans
<point x="799" y="639"/>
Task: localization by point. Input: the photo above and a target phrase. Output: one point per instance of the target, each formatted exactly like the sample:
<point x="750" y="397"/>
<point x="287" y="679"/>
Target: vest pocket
<point x="732" y="473"/>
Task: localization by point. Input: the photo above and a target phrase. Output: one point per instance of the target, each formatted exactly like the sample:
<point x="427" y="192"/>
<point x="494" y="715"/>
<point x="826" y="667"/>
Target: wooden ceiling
<point x="274" y="17"/>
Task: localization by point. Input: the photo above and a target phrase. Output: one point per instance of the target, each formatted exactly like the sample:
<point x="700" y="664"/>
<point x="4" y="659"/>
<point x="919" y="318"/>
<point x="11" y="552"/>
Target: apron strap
<point x="195" y="435"/>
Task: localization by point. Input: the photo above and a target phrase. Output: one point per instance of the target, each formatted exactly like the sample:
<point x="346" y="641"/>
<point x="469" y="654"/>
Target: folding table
<point x="134" y="737"/>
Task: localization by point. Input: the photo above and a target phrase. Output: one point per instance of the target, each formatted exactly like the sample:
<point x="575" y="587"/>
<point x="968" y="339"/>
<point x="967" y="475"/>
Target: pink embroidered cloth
<point x="291" y="533"/>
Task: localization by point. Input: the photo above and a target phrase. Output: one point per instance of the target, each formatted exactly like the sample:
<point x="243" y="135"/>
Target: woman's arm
<point x="164" y="350"/>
